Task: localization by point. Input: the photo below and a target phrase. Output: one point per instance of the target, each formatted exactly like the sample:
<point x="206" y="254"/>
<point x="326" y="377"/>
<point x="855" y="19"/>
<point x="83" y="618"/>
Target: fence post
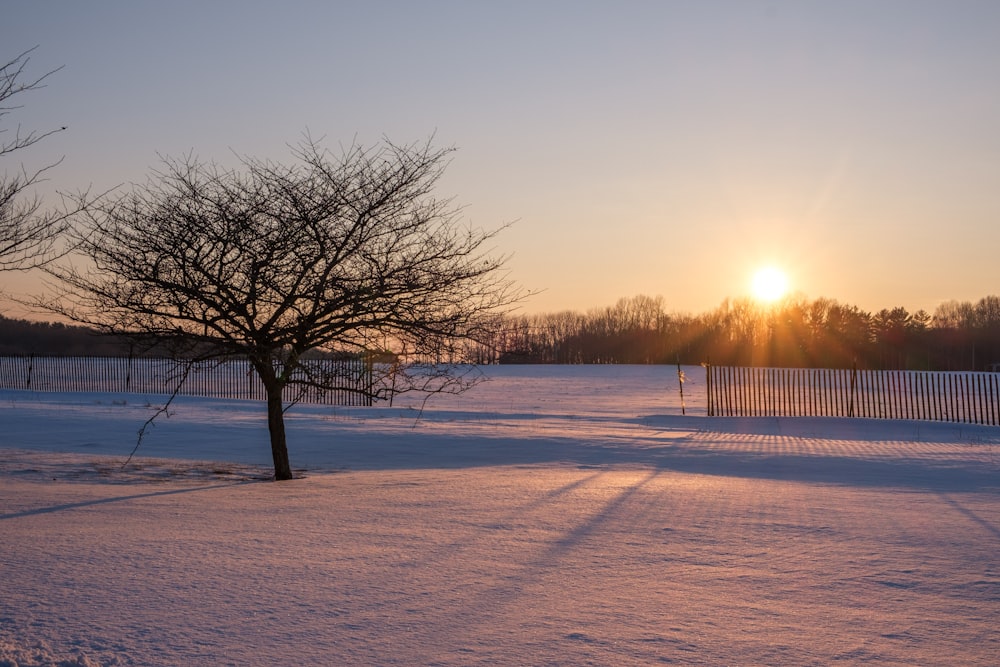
<point x="680" y="381"/>
<point x="854" y="388"/>
<point x="128" y="370"/>
<point x="708" y="387"/>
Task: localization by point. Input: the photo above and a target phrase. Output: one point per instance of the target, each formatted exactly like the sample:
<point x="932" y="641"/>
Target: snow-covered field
<point x="551" y="516"/>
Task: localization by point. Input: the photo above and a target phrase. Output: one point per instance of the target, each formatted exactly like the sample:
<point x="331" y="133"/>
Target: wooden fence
<point x="801" y="392"/>
<point x="352" y="379"/>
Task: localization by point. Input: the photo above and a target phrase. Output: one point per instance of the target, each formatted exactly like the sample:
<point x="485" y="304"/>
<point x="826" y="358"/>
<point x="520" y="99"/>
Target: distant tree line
<point x="796" y="332"/>
<point x="22" y="338"/>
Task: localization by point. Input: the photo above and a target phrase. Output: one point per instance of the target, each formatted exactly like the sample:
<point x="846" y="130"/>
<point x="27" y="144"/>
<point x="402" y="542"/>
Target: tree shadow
<point x="972" y="516"/>
<point x="115" y="499"/>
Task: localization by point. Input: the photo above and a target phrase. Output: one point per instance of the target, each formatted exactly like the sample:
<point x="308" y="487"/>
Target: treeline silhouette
<point x="23" y="337"/>
<point x="795" y="333"/>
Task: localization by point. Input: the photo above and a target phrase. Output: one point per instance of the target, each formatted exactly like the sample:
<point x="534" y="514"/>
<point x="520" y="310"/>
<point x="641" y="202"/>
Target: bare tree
<point x="346" y="252"/>
<point x="27" y="233"/>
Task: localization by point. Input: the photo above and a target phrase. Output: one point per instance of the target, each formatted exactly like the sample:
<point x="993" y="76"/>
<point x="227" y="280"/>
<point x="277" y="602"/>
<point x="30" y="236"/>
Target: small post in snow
<point x="680" y="380"/>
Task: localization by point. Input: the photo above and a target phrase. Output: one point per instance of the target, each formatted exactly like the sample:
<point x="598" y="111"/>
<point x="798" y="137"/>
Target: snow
<point x="564" y="515"/>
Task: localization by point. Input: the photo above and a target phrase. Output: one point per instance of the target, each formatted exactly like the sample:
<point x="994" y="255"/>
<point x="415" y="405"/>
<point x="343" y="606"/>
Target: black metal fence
<point x="351" y="379"/>
<point x="824" y="392"/>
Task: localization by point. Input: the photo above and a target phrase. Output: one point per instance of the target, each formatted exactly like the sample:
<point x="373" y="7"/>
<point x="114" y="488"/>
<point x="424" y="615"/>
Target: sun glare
<point x="769" y="284"/>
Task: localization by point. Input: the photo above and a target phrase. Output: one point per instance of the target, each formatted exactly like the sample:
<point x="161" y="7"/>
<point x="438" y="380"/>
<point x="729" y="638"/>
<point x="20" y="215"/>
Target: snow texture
<point x="551" y="516"/>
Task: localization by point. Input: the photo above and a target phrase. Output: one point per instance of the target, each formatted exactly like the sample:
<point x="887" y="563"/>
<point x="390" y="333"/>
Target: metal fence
<point x="799" y="392"/>
<point x="351" y="380"/>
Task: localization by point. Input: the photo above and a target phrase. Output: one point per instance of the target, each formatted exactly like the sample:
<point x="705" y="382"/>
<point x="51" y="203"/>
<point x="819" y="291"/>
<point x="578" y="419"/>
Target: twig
<point x="162" y="410"/>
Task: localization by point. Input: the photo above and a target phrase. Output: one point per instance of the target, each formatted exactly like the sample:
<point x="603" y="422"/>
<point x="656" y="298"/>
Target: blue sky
<point x="662" y="148"/>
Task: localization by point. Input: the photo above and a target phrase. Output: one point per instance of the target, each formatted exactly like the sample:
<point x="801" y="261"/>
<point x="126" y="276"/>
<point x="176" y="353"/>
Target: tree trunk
<point x="276" y="426"/>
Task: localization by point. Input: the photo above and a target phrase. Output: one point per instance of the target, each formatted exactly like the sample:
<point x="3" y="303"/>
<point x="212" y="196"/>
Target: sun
<point x="769" y="284"/>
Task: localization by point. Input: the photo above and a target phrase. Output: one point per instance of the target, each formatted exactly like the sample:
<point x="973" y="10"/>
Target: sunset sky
<point x="659" y="148"/>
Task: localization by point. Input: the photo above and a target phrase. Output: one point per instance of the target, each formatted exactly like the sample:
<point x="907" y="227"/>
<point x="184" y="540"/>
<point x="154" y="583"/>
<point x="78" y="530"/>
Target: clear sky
<point x="661" y="148"/>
